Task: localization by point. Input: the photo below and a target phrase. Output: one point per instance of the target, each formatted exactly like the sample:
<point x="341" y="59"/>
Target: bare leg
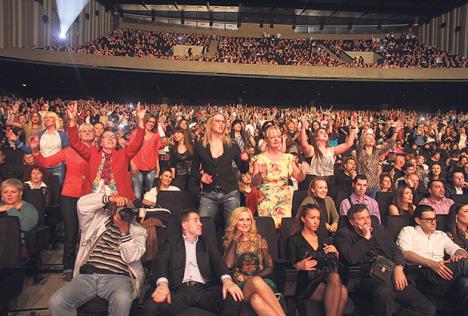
<point x="261" y="307"/>
<point x="256" y="285"/>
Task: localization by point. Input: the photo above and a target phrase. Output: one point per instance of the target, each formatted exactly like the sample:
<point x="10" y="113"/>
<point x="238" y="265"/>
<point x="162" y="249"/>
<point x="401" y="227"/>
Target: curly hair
<point x="231" y="230"/>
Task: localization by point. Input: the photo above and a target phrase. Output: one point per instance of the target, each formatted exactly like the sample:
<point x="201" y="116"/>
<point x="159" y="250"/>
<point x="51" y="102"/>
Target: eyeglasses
<point x="430" y="220"/>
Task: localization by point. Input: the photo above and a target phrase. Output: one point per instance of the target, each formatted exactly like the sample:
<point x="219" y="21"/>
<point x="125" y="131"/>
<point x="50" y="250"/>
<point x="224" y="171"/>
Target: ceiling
<point x="290" y="12"/>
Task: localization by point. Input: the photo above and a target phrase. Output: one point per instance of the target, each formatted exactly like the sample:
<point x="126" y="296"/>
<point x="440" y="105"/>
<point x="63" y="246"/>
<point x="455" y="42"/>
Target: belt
<point x="191" y="283"/>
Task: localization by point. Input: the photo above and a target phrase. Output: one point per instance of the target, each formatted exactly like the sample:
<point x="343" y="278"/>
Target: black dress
<point x="182" y="164"/>
<point x="297" y="249"/>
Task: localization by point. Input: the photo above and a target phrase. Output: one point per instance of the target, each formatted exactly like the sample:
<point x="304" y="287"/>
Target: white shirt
<point x="50" y="143"/>
<point x="433" y="246"/>
<point x="191" y="272"/>
<point x="152" y="194"/>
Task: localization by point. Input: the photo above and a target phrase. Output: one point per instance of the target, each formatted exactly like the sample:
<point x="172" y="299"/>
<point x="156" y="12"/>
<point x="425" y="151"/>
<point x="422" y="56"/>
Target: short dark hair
<point x="421" y="209"/>
<point x="431" y="183"/>
<point x="345" y="161"/>
<point x="359" y="177"/>
<point x="184" y="215"/>
<point x="356" y="208"/>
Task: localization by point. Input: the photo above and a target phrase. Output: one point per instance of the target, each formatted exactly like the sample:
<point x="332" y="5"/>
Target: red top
<point x="120" y="160"/>
<point x="75" y="183"/>
<point x="148" y="155"/>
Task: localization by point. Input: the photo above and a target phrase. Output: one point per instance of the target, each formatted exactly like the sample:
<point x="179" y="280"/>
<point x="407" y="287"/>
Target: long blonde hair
<point x="207" y="136"/>
<point x="233" y="220"/>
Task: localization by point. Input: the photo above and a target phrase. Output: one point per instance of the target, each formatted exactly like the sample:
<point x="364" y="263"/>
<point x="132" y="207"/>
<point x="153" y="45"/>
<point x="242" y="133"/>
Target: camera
<point x="125" y="213"/>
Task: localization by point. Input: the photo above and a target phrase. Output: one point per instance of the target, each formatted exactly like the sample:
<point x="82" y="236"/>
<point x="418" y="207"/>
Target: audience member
<point x="436" y="198"/>
<point x="359" y="197"/>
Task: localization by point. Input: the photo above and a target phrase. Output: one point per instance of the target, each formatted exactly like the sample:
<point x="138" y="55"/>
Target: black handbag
<point x="382" y="269"/>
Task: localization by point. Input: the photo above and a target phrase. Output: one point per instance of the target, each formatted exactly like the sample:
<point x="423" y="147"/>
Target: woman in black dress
<point x="180" y="159"/>
<point x="317" y="278"/>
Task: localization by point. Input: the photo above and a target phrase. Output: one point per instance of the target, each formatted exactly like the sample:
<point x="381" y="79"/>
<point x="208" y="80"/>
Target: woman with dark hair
<point x="402" y="203"/>
<point x="145" y="164"/>
<point x="317" y="195"/>
<point x="165" y="180"/>
<point x="317" y="279"/>
<point x="385" y="182"/>
<point x="458" y="224"/>
<point x="35" y="189"/>
<point x="180" y="158"/>
<point x="435" y="172"/>
<point x="240" y="136"/>
<point x="322" y="156"/>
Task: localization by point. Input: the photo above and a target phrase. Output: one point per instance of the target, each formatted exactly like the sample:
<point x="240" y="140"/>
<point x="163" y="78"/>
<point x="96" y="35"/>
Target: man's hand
<point x="399" y="278"/>
<point x="442" y="270"/>
<point x="232" y="288"/>
<point x="118" y="200"/>
<point x="367" y="232"/>
<point x="162" y="293"/>
<point x="459" y="255"/>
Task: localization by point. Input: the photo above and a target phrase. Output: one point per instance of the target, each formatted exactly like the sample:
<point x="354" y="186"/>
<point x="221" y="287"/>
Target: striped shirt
<point x="106" y="254"/>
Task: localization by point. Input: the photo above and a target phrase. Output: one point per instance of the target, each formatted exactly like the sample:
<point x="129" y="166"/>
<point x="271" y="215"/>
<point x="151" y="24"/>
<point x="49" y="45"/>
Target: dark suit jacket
<point x="170" y="261"/>
<point x="354" y="248"/>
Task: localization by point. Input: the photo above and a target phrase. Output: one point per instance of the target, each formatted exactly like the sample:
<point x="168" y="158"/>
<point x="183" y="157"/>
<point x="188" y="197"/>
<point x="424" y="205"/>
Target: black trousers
<point x="70" y="229"/>
<point x="206" y="296"/>
<point x="383" y="296"/>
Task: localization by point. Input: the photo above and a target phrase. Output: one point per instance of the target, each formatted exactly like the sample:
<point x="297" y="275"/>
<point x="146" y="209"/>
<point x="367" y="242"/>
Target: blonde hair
<point x="271" y="129"/>
<point x="85" y="126"/>
<point x="231" y="228"/>
<point x="58" y="121"/>
<point x="206" y="138"/>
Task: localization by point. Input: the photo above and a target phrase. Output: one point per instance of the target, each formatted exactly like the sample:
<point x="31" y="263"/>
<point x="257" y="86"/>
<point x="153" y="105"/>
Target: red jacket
<point x="76" y="176"/>
<point x="120" y="160"/>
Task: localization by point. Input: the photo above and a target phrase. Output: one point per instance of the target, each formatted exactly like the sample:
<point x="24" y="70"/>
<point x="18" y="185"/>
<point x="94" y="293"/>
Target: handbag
<point x="382" y="269"/>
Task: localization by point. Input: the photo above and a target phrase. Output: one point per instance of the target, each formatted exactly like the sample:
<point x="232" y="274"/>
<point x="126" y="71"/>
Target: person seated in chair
<point x="457" y="186"/>
<point x="436" y="198"/>
<point x="307" y="248"/>
<point x="424" y="245"/>
<point x="188" y="271"/>
<point x="246" y="252"/>
<point x="108" y="260"/>
<point x="360" y="244"/>
<point x="360" y="185"/>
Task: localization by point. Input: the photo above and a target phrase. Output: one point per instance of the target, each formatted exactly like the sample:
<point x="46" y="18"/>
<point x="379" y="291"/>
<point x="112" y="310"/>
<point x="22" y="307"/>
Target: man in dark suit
<point x="359" y="245"/>
<point x="188" y="271"/>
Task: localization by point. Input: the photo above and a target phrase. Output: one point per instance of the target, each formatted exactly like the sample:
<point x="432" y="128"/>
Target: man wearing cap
<point x="108" y="260"/>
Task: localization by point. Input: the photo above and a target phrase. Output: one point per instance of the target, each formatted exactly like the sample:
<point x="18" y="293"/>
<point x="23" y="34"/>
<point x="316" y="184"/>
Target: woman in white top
<point x="165" y="179"/>
<point x="322" y="156"/>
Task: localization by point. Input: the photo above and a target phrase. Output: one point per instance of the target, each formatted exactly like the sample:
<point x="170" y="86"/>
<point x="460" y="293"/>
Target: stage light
<point x="67" y="12"/>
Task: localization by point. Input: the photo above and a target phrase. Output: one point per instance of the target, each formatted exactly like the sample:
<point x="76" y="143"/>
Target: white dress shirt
<point x="433" y="246"/>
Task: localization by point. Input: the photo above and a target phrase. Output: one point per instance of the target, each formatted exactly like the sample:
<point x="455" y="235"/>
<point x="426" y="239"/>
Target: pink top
<point x="440" y="208"/>
<point x="148" y="155"/>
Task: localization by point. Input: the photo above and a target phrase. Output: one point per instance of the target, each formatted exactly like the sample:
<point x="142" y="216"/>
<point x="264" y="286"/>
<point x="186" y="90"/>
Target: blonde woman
<point x="246" y="253"/>
<point x="272" y="170"/>
<point x="214" y="154"/>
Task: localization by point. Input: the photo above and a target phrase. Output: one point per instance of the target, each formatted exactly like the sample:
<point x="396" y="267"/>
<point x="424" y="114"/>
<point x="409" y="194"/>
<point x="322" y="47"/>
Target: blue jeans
<point x="116" y="289"/>
<point x="58" y="171"/>
<point x="140" y="179"/>
<point x="211" y="202"/>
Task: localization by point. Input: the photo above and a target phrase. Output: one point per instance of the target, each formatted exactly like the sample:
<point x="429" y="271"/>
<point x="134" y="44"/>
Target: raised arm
<point x="341" y="148"/>
<point x="72" y="131"/>
<point x="307" y="148"/>
<point x="135" y="145"/>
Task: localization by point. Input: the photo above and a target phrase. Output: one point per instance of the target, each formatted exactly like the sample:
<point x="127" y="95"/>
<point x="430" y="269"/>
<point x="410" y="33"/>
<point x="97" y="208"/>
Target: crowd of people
<point x="241" y="161"/>
<point x="394" y="50"/>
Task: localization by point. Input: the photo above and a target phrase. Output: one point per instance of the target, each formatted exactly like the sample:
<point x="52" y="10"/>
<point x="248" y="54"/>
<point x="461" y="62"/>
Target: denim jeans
<point x="70" y="229"/>
<point x="58" y="171"/>
<point x="116" y="289"/>
<point x="211" y="202"/>
<point x="140" y="180"/>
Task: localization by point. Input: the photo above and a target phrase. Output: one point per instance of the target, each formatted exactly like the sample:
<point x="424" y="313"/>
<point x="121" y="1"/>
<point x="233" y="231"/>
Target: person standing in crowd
<point x="212" y="165"/>
<point x="108" y="165"/>
<point x="322" y="156"/>
<point x="145" y="164"/>
<point x="368" y="158"/>
<point x="75" y="185"/>
<point x="180" y="158"/>
<point x="51" y="140"/>
<point x="424" y="245"/>
<point x="272" y="170"/>
<point x="108" y="259"/>
<point x="247" y="254"/>
<point x="359" y="244"/>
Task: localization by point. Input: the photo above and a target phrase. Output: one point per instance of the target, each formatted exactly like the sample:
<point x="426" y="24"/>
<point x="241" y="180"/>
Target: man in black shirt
<point x="215" y="153"/>
<point x="359" y="244"/>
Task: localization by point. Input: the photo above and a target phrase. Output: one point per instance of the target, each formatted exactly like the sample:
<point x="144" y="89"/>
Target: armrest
<point x="37" y="239"/>
<point x="285" y="277"/>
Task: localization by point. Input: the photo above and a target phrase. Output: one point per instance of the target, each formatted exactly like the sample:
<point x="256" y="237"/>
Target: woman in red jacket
<point x="75" y="185"/>
<point x="108" y="166"/>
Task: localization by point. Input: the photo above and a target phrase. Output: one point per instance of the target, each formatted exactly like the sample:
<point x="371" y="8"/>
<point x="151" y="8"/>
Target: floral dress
<point x="275" y="198"/>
